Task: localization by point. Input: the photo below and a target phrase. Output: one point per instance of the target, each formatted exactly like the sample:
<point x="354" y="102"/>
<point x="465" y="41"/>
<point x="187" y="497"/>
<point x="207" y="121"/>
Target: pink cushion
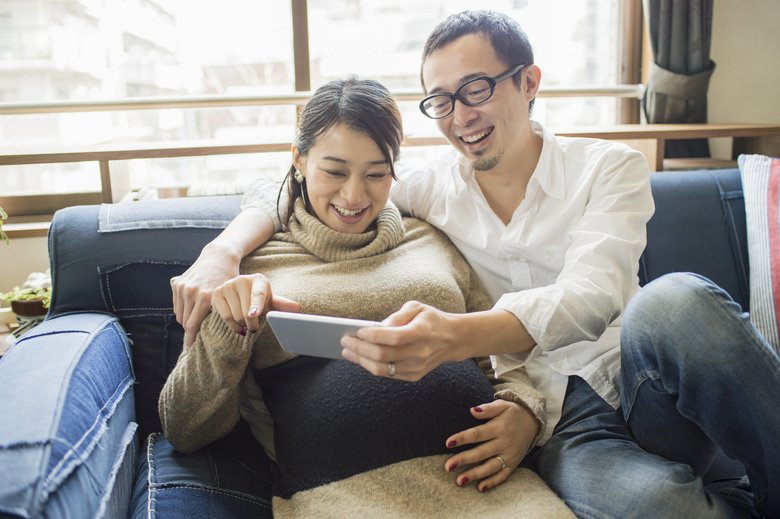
<point x="761" y="189"/>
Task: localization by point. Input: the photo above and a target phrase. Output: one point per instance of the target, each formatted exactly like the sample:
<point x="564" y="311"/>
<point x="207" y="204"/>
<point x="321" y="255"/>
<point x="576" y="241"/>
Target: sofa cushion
<point x="59" y="463"/>
<point x="228" y="478"/>
<point x="761" y="185"/>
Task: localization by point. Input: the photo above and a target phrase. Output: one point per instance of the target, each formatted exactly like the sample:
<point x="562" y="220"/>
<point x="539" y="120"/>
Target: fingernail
<point x="452" y="467"/>
<point x="485" y="488"/>
<point x="463" y="481"/>
<point x="452" y="443"/>
<point x="253" y="311"/>
<point x="478" y="409"/>
<point x="242" y="333"/>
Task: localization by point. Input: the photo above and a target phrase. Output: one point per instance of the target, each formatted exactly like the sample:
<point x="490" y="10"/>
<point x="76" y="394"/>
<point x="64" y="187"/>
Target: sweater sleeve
<point x="515" y="386"/>
<point x="200" y="401"/>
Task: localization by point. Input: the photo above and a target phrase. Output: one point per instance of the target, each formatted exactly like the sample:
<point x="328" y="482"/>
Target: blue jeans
<point x="696" y="378"/>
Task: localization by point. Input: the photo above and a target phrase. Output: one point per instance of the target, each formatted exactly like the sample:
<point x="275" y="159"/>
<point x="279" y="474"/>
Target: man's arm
<point x="218" y="262"/>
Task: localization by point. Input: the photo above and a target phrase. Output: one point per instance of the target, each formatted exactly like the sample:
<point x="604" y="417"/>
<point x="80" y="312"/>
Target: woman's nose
<point x="353" y="190"/>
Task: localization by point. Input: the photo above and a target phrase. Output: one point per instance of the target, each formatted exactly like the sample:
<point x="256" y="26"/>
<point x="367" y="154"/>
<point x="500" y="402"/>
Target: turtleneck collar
<point x="331" y="245"/>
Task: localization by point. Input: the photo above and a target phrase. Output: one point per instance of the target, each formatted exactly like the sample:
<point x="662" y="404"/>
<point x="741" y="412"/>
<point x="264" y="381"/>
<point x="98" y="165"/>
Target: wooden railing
<point x="648" y="139"/>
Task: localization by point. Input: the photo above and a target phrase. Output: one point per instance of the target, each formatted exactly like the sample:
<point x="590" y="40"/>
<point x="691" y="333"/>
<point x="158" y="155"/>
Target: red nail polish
<point x="463" y="482"/>
<point x="452" y="443"/>
<point x="484" y="488"/>
<point x="452" y="467"/>
<point x="478" y="409"/>
<point x="242" y="333"/>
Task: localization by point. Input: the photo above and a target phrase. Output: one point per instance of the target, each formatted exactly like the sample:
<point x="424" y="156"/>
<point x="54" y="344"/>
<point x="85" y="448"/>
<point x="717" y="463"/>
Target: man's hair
<point x="363" y="105"/>
<point x="507" y="38"/>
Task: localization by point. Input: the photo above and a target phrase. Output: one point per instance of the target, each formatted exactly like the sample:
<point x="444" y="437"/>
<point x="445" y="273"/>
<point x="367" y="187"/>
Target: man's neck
<point x="504" y="186"/>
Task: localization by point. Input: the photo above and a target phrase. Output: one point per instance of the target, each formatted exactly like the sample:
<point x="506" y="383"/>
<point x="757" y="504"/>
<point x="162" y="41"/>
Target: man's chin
<point x="484" y="163"/>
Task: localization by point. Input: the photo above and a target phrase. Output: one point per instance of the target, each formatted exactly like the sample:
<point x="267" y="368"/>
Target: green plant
<point x="3" y="235"/>
<point x="27" y="294"/>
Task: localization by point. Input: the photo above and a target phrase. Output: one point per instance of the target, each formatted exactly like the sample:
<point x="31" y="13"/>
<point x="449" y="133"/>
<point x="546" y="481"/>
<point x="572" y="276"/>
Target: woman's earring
<point x="299" y="177"/>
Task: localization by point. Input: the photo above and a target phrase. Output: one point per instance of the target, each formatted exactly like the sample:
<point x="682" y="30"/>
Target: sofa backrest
<point x="119" y="259"/>
<point x="699" y="226"/>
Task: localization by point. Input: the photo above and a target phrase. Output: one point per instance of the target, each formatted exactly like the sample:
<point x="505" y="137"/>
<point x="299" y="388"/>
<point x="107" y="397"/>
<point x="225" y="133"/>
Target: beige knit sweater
<point x="366" y="276"/>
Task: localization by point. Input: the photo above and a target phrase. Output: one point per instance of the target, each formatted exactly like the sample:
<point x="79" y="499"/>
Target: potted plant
<point x="32" y="298"/>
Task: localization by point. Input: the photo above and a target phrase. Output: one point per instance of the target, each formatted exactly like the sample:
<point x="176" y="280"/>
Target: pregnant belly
<point x="333" y="419"/>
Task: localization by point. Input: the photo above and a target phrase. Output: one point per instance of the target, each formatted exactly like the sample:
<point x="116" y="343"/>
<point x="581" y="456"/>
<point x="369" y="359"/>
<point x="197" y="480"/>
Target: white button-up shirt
<point x="565" y="265"/>
<point x="567" y="262"/>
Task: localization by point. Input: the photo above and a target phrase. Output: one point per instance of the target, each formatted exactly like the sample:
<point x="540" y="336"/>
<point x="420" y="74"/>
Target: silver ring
<point x="501" y="460"/>
<point x="391" y="369"/>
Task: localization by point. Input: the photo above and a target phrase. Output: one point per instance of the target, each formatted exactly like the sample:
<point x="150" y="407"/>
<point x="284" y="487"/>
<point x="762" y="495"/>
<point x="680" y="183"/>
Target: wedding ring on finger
<point x="501" y="460"/>
<point x="391" y="369"/>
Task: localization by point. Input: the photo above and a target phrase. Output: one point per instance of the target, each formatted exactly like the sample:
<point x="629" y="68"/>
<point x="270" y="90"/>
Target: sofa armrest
<point x="68" y="435"/>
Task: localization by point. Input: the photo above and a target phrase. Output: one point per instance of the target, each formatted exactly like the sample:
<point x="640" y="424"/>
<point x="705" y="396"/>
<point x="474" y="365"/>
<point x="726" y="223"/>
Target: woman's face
<point x="348" y="179"/>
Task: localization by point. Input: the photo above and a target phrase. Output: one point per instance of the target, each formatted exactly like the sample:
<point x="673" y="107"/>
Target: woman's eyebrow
<point x="343" y="161"/>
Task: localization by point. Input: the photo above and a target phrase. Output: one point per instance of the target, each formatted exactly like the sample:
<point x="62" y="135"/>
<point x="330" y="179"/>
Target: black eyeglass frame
<point x="492" y="81"/>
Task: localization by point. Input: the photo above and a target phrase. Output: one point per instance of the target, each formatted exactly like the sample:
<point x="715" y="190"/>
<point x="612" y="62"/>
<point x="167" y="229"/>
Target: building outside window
<point x="59" y="50"/>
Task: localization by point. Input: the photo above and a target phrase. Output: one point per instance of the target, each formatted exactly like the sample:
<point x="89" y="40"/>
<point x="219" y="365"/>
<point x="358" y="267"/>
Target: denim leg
<point x="597" y="467"/>
<point x="696" y="375"/>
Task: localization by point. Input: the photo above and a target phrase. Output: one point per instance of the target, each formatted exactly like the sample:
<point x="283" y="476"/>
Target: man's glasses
<point x="471" y="93"/>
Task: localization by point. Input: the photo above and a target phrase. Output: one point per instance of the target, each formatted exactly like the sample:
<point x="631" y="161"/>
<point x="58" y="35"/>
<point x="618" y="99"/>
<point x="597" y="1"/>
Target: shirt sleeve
<point x="263" y="194"/>
<point x="200" y="401"/>
<point x="600" y="265"/>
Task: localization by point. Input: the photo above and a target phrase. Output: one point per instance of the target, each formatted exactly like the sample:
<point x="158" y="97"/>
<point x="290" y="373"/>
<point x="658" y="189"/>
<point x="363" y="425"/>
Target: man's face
<point x="487" y="133"/>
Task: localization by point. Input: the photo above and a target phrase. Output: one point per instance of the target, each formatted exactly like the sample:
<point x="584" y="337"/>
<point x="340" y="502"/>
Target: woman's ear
<point x="298" y="160"/>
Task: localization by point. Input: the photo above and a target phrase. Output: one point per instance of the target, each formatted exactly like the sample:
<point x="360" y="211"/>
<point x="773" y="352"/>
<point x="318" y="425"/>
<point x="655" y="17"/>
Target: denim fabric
<point x="698" y="226"/>
<point x="67" y="405"/>
<point x="156" y="214"/>
<point x="696" y="378"/>
<point x="230" y="478"/>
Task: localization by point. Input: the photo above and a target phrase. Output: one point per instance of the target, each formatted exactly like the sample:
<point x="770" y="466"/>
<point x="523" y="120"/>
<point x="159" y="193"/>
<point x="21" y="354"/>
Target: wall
<point x="20" y="257"/>
<point x="744" y="87"/>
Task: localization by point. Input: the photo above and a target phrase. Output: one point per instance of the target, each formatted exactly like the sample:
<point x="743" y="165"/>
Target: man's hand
<point x="502" y="443"/>
<point x="416" y="339"/>
<point x="242" y="300"/>
<point x="192" y="290"/>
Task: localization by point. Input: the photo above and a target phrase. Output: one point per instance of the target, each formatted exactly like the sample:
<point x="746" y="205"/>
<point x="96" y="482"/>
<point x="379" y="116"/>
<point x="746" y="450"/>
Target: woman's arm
<point x="200" y="401"/>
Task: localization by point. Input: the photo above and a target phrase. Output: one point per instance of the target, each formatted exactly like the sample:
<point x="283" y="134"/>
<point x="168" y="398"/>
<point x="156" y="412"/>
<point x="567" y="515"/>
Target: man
<point x="554" y="228"/>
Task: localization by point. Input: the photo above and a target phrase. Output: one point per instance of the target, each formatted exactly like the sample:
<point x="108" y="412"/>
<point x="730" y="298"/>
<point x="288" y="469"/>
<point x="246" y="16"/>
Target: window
<point x="65" y="50"/>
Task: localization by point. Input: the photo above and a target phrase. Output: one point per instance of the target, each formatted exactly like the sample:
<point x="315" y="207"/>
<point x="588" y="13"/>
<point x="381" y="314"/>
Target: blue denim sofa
<point x="78" y="394"/>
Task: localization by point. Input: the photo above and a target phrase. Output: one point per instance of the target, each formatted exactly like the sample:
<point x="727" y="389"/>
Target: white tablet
<point x="315" y="335"/>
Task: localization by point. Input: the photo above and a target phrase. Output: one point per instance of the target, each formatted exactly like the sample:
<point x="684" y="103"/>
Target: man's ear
<point x="533" y="77"/>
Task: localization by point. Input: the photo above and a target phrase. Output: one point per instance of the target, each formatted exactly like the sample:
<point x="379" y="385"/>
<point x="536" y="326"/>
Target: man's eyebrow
<point x="461" y="81"/>
<point x="343" y="161"/>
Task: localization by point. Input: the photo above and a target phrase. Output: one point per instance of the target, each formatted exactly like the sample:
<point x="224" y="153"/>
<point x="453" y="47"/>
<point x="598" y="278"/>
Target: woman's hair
<point x="363" y="105"/>
<point x="508" y="39"/>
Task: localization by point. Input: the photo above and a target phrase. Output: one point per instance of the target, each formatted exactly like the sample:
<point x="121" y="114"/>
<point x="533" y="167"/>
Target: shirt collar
<point x="548" y="172"/>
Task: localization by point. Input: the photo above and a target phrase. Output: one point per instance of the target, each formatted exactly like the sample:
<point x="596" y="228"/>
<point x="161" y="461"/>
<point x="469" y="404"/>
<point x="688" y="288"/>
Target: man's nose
<point x="463" y="114"/>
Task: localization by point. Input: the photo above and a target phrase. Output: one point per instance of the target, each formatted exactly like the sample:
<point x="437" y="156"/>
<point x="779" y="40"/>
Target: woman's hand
<point x="503" y="441"/>
<point x="242" y="300"/>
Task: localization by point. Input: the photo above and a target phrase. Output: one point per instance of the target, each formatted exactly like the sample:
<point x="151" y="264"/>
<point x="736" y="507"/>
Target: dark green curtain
<point x="680" y="35"/>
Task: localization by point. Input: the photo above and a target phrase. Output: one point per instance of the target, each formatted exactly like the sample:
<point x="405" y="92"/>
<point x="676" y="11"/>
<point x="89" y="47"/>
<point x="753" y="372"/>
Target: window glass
<point x="103" y="50"/>
<point x="575" y="44"/>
